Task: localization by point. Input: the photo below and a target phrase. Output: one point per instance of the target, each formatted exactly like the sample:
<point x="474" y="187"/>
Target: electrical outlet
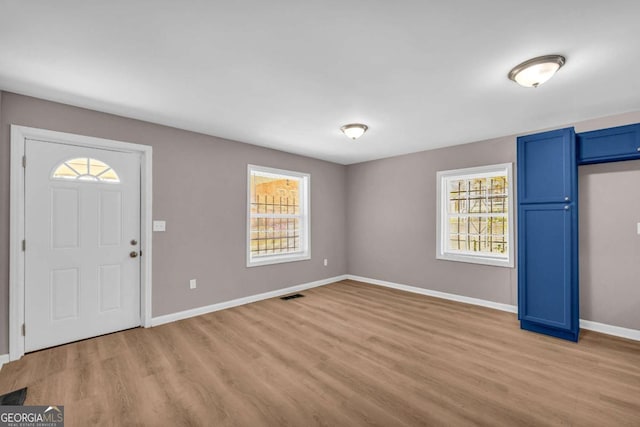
<point x="192" y="284"/>
<point x="326" y="262"/>
<point x="159" y="225"/>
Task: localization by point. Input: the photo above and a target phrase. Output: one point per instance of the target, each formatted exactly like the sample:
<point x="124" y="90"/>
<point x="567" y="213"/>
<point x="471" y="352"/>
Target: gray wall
<point x="392" y="222"/>
<point x="609" y="243"/>
<point x="391" y="213"/>
<point x="199" y="186"/>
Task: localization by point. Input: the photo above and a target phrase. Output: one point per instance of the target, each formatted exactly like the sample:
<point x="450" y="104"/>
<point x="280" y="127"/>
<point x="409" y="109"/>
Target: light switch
<point x="639" y="228"/>
<point x="159" y="225"/>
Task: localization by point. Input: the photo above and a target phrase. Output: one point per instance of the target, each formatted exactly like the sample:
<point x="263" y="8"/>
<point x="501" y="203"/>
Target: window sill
<point x="474" y="259"/>
<point x="277" y="259"/>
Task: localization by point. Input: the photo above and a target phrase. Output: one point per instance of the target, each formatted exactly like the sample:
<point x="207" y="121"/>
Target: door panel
<point x="546" y="163"/>
<point x="546" y="264"/>
<point x="65" y="208"/>
<point x="80" y="281"/>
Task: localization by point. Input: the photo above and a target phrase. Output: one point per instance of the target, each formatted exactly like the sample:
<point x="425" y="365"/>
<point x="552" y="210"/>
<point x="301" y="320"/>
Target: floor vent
<point x="15" y="398"/>
<point x="288" y="297"/>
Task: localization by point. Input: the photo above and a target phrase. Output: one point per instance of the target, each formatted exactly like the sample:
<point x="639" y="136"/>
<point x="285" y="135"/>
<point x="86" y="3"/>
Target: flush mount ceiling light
<point x="354" y="130"/>
<point x="534" y="72"/>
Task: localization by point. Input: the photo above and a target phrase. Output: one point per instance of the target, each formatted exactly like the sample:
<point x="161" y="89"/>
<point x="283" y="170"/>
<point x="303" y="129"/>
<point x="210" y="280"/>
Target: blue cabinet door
<point x="547" y="167"/>
<point x="548" y="234"/>
<point x="547" y="275"/>
<point x="609" y="145"/>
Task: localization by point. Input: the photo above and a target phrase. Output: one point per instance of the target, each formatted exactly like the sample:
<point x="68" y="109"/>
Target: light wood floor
<point x="347" y="354"/>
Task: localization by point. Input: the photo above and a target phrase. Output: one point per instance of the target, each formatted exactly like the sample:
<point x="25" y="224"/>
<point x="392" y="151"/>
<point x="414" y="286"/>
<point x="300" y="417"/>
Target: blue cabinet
<point x="548" y="285"/>
<point x="545" y="172"/>
<point x="609" y="145"/>
<point x="548" y="234"/>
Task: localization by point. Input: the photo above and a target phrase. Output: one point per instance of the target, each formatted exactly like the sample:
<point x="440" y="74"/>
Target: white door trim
<point x="17" y="222"/>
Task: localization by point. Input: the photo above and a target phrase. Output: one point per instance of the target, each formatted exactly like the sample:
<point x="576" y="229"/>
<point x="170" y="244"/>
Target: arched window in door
<point x="86" y="169"/>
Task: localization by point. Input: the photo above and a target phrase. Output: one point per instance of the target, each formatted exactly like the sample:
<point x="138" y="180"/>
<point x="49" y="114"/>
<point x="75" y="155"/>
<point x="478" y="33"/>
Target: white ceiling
<point x="287" y="74"/>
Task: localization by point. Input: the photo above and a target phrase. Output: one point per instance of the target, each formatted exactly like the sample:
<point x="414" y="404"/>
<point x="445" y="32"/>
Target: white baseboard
<point x="618" y="331"/>
<point x="168" y="318"/>
<point x="4" y="358"/>
<point x="444" y="295"/>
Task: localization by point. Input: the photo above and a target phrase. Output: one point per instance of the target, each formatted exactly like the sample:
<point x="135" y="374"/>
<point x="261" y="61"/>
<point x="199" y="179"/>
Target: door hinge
<point x="24" y="330"/>
<point x="24" y="245"/>
<point x="24" y="161"/>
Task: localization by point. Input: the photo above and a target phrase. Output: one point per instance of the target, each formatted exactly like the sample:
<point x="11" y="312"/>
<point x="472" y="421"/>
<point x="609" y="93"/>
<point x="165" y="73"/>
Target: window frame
<point x="305" y="218"/>
<point x="442" y="223"/>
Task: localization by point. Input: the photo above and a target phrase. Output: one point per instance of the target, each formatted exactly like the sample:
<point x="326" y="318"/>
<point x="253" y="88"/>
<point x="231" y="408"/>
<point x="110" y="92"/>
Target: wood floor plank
<point x="347" y="354"/>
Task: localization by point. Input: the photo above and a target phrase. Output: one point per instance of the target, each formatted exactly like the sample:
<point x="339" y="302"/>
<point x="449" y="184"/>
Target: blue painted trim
<point x="575" y="256"/>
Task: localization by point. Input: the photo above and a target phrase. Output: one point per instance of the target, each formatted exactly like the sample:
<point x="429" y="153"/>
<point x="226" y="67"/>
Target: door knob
<point x="134" y="242"/>
<point x="133" y="254"/>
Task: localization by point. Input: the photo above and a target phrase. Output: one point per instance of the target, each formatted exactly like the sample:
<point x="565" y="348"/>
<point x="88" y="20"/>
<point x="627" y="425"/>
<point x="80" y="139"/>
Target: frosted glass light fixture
<point x="534" y="72"/>
<point x="354" y="130"/>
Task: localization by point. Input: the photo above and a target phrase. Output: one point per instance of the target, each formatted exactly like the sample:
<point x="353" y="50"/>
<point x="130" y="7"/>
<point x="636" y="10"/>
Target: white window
<point x="277" y="216"/>
<point x="475" y="221"/>
<point x="85" y="169"/>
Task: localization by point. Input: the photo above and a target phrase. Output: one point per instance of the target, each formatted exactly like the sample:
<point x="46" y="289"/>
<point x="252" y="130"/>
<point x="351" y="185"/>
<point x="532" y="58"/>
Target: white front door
<point x="82" y="234"/>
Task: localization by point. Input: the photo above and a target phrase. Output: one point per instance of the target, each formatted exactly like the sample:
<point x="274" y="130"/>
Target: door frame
<point x="17" y="221"/>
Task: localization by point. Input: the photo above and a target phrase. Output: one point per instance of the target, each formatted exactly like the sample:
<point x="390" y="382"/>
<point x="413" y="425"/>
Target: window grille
<point x="278" y="217"/>
<point x="477" y="212"/>
<point x="275" y="225"/>
<point x="474" y="215"/>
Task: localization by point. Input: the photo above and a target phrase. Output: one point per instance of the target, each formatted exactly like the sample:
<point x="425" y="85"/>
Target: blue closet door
<point x="548" y="234"/>
<point x="547" y="166"/>
<point x="548" y="285"/>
